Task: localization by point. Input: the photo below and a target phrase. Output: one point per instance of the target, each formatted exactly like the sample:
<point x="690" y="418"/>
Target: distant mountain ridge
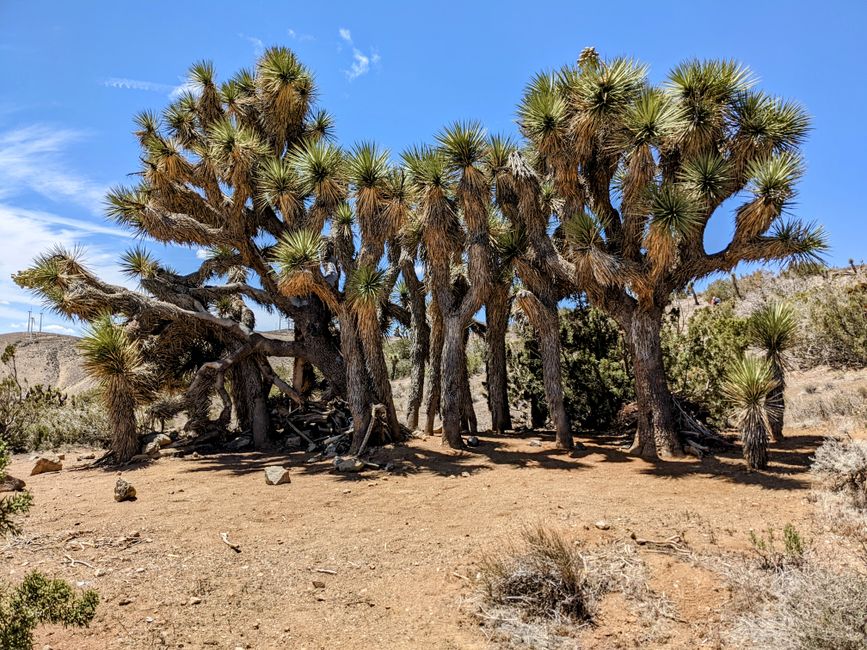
<point x="48" y="359"/>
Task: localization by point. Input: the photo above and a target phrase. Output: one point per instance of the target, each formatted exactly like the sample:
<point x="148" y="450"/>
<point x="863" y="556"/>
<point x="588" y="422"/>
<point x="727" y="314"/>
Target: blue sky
<point x="75" y="73"/>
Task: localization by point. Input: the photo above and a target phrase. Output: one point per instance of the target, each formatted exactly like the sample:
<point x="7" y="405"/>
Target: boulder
<point x="11" y="484"/>
<point x="276" y="475"/>
<point x="154" y="442"/>
<point x="349" y="464"/>
<point x="48" y="463"/>
<point x="124" y="490"/>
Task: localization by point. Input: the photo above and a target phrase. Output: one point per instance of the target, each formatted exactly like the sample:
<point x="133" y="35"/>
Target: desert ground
<point x="387" y="558"/>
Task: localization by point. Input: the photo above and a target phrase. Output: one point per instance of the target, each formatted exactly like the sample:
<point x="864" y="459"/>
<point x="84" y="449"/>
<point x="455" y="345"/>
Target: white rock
<point x="276" y="475"/>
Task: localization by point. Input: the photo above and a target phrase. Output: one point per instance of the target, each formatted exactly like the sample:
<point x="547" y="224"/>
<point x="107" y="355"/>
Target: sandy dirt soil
<point x="381" y="559"/>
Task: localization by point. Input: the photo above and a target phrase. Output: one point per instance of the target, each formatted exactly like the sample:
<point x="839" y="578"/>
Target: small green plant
<point x="771" y="556"/>
<point x="37" y="599"/>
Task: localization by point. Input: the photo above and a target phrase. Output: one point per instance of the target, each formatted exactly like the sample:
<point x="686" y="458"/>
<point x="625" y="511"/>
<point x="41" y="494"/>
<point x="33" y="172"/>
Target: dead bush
<point x="805" y="608"/>
<point x="542" y="590"/>
<point x="840" y="464"/>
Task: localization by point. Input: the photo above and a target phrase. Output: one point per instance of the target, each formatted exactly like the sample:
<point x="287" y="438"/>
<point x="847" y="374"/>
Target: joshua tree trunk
<point x="777" y="403"/>
<point x="545" y="320"/>
<point x="754" y="437"/>
<point x="453" y="356"/>
<point x="249" y="394"/>
<point x="432" y="405"/>
<point x="656" y="434"/>
<point x="356" y="380"/>
<point x="121" y="413"/>
<point x="420" y="344"/>
<point x="371" y="339"/>
<point x="497" y="316"/>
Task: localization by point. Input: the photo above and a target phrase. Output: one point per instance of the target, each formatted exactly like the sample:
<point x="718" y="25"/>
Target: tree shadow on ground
<point x="787" y="470"/>
<point x="790" y="460"/>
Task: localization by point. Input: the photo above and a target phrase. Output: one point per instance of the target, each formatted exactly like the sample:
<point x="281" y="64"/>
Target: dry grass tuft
<point x="540" y="592"/>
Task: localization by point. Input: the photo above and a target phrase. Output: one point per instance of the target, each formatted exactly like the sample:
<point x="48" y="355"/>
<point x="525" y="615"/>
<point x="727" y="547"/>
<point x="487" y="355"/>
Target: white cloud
<point x="257" y="43"/>
<point x="186" y="87"/>
<point x="136" y="84"/>
<point x="360" y="61"/>
<point x="300" y="37"/>
<point x="360" y="65"/>
<point x="173" y="92"/>
<point x="59" y="329"/>
<point x="30" y="158"/>
<point x="202" y="253"/>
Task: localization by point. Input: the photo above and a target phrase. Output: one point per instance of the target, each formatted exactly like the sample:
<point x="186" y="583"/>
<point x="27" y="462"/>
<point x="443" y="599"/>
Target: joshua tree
<point x="246" y="171"/>
<point x="773" y="329"/>
<point x="113" y="358"/>
<point x="748" y="386"/>
<point x="636" y="171"/>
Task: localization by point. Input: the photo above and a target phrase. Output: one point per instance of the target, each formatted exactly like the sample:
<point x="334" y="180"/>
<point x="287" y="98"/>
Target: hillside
<point x="48" y="359"/>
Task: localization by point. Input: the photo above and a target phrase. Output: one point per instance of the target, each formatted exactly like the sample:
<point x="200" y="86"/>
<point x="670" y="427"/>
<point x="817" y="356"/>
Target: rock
<point x="350" y="464"/>
<point x="276" y="475"/>
<point x="465" y="474"/>
<point x="535" y="443"/>
<point x="123" y="490"/>
<point x="125" y="601"/>
<point x="292" y="443"/>
<point x="162" y="439"/>
<point x="319" y="584"/>
<point x="239" y="443"/>
<point x="142" y="458"/>
<point x="11" y="484"/>
<point x="602" y="525"/>
<point x="195" y="600"/>
<point x="473" y="441"/>
<point x="87" y="457"/>
<point x="151" y="450"/>
<point x="49" y="463"/>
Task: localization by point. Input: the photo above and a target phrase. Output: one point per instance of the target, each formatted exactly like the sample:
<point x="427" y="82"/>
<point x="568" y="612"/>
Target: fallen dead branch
<point x="225" y="538"/>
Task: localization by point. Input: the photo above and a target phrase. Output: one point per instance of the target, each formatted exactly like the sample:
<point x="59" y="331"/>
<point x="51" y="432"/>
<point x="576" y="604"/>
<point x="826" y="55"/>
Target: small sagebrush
<point x="542" y="590"/>
<point x="840" y="464"/>
<point x="806" y="608"/>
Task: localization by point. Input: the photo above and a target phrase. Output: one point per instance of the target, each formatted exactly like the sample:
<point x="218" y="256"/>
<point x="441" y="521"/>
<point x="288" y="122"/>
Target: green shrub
<point x="37" y="599"/>
<point x="43" y="418"/>
<point x="698" y="356"/>
<point x="834" y="325"/>
<point x="596" y="378"/>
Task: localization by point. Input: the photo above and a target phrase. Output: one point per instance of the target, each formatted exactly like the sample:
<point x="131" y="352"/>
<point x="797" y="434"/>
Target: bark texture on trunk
<point x="453" y="356"/>
<point x="120" y="405"/>
<point x="248" y="389"/>
<point x="420" y="344"/>
<point x="497" y="317"/>
<point x="545" y="321"/>
<point x="371" y="339"/>
<point x="432" y="403"/>
<point x="358" y="395"/>
<point x="657" y="433"/>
